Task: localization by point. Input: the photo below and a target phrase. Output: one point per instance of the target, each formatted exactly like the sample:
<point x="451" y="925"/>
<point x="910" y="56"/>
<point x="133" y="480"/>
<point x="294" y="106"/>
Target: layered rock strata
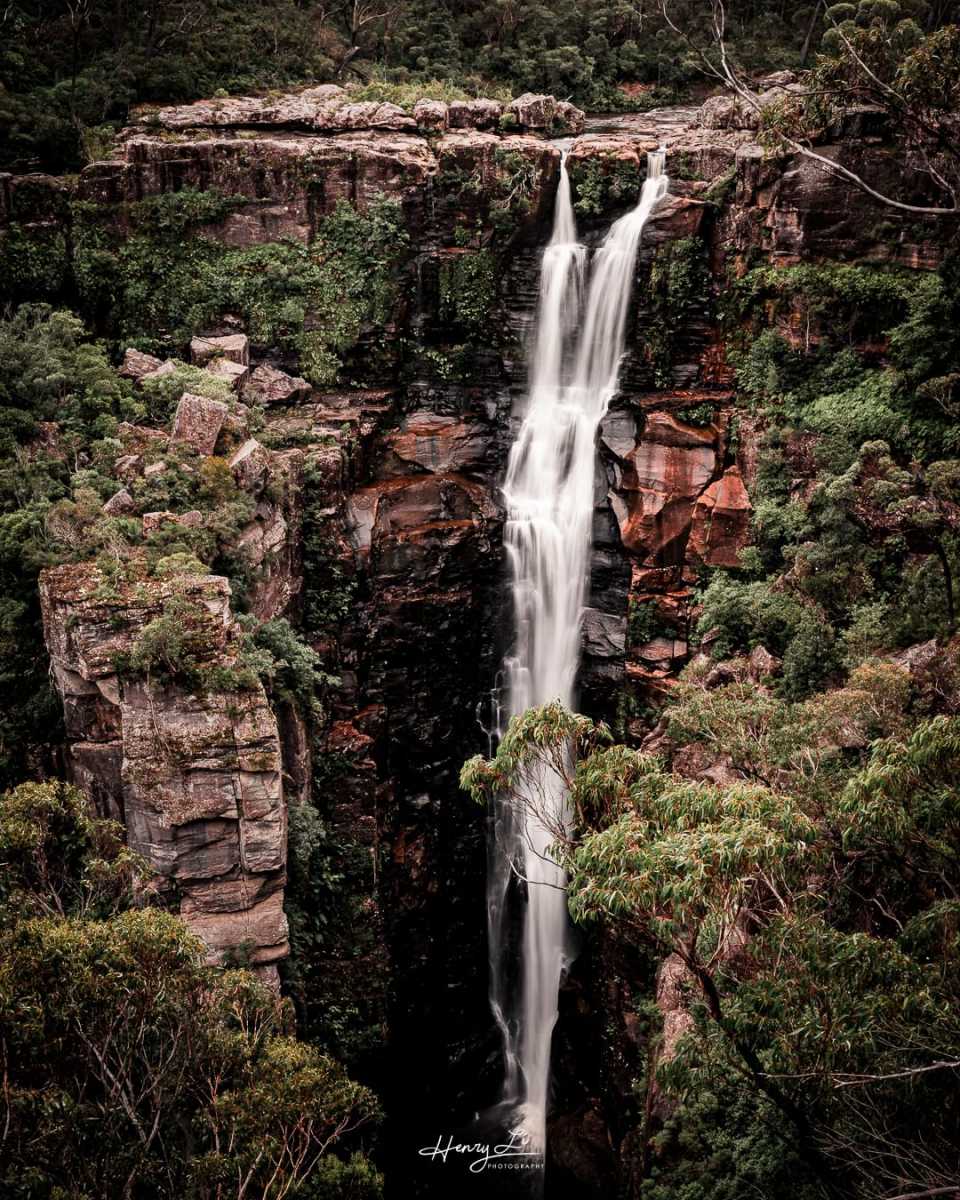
<point x="403" y="477"/>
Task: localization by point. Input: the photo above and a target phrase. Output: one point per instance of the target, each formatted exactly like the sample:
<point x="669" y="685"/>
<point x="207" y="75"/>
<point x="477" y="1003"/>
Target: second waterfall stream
<point x="549" y="493"/>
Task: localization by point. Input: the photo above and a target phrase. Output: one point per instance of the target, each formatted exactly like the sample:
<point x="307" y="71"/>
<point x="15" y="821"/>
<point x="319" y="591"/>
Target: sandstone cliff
<point x="399" y="461"/>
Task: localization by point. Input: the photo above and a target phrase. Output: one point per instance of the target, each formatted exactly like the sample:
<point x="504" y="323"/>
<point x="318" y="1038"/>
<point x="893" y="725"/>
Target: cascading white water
<point x="549" y="495"/>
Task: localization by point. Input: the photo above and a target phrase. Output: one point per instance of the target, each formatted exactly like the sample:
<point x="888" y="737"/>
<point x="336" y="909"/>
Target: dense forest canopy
<point x="69" y="71"/>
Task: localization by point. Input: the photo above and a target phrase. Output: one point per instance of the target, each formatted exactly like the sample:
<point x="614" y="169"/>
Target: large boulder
<point x="431" y="115"/>
<point x="533" y="111"/>
<point x="136" y="365"/>
<point x="198" y="422"/>
<point x="728" y="112"/>
<point x="267" y="385"/>
<point x="120" y="502"/>
<point x="474" y="114"/>
<point x="232" y="373"/>
<point x="569" y="119"/>
<point x="235" y="347"/>
<point x="604" y="635"/>
<point x="432" y="442"/>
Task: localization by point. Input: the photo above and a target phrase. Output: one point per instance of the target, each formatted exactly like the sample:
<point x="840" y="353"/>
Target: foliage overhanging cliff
<point x="257" y="368"/>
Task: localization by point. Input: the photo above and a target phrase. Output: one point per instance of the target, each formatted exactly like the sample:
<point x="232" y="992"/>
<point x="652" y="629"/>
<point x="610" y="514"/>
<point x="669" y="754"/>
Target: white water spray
<point x="549" y="495"/>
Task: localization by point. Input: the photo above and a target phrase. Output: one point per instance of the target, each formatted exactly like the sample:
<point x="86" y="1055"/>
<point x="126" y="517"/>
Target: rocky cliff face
<point x="404" y="482"/>
<point x="195" y="778"/>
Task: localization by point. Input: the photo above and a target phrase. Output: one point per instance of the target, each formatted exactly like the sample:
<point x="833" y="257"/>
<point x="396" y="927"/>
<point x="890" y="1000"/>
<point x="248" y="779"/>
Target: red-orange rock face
<point x="663" y="477"/>
<point x="721" y="522"/>
<point x="435" y="443"/>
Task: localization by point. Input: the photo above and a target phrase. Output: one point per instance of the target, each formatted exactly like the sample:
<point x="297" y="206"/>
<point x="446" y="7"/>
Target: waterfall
<point x="574" y="369"/>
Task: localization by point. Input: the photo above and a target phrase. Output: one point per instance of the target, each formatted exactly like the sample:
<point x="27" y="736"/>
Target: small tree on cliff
<point x="874" y="53"/>
<point x="129" y="1067"/>
<point x="808" y="951"/>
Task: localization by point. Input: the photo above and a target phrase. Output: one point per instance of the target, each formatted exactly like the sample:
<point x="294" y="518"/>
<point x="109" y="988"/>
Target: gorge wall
<point x="372" y="493"/>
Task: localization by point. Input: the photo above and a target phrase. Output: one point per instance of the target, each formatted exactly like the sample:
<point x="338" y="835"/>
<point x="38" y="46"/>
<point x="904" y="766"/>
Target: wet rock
<point x="198" y="422"/>
<point x="664" y="429"/>
<point x="662" y="479"/>
<point x="436" y="443"/>
<point x="674" y="217"/>
<point x="409" y="510"/>
<point x="267" y="385"/>
<point x="618" y="432"/>
<point x="604" y="634"/>
<point x="579" y="1148"/>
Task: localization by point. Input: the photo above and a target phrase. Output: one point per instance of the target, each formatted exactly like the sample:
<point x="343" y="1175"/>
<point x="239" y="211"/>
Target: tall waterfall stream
<point x="549" y="491"/>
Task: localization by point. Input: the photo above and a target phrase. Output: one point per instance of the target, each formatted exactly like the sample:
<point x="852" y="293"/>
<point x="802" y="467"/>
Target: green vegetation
<point x="598" y="187"/>
<point x="130" y="1067"/>
<point x="816" y="974"/>
<point x="335" y="973"/>
<point x="167" y="278"/>
<point x="679" y="287"/>
<point x="468" y="293"/>
<point x="901" y="58"/>
<point x="68" y="76"/>
<point x="809" y="900"/>
<point x="49" y="371"/>
<point x="645" y="623"/>
<point x="855" y="525"/>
